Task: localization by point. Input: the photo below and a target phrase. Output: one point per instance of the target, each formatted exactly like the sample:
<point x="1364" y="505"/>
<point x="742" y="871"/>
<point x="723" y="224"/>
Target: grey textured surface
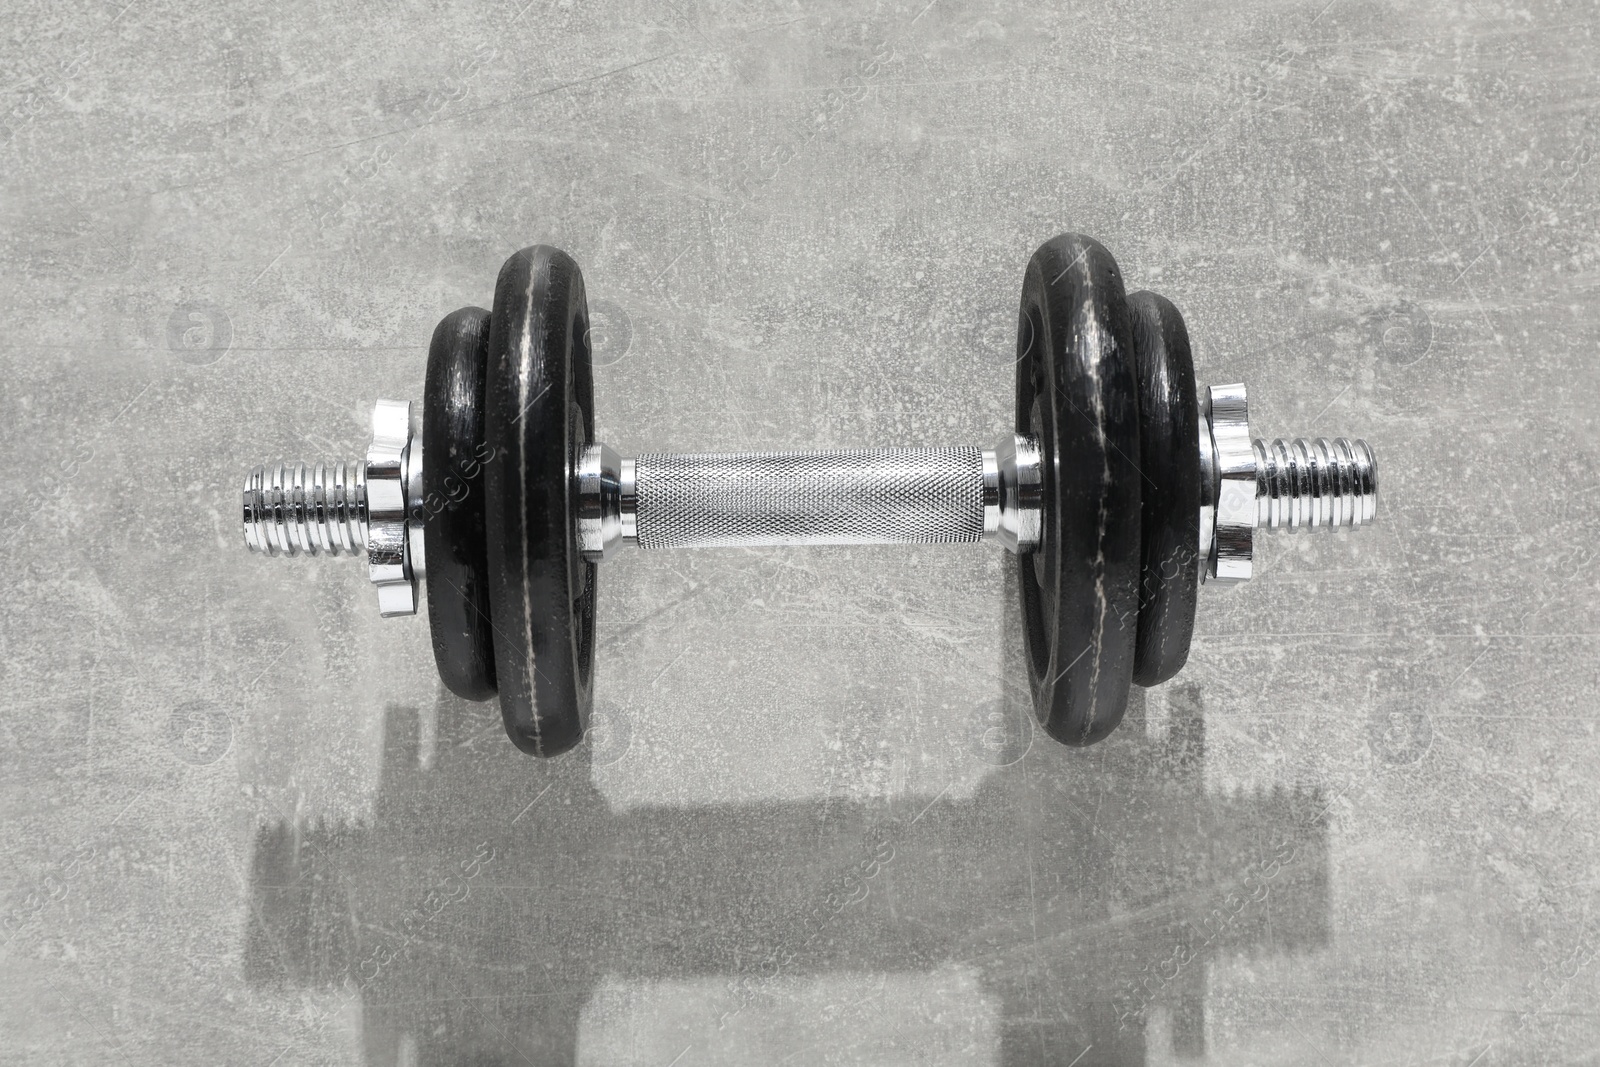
<point x="243" y="826"/>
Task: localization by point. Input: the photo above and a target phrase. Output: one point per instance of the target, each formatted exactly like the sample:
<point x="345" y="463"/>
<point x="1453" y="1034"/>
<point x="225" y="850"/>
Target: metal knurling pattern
<point x="873" y="496"/>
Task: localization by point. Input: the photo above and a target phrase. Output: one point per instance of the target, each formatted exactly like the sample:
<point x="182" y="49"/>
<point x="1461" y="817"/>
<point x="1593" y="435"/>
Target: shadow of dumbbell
<point x="490" y="895"/>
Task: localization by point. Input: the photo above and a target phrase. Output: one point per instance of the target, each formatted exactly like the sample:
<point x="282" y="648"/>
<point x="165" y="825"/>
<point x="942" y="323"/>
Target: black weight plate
<point x="453" y="502"/>
<point x="1169" y="453"/>
<point x="538" y="414"/>
<point x="1077" y="391"/>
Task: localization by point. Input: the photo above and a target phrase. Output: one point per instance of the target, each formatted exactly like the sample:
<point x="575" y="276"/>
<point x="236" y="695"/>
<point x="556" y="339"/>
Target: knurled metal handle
<point x="871" y="496"/>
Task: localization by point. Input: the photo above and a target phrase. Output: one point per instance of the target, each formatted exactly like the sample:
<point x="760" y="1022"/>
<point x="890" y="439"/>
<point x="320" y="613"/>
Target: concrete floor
<point x="243" y="825"/>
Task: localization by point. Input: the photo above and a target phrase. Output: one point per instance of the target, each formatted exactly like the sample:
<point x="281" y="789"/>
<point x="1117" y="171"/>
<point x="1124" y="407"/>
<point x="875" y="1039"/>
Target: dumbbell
<point x="1120" y="487"/>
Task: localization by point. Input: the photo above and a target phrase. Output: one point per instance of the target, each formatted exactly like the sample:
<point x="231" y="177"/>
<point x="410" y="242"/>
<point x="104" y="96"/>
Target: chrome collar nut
<point x="394" y="493"/>
<point x="1234" y="463"/>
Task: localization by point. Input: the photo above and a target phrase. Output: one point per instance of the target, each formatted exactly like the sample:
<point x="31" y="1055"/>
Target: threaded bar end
<point x="1315" y="482"/>
<point x="299" y="509"/>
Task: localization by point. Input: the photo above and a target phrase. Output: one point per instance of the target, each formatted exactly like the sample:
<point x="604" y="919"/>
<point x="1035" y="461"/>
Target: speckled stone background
<point x="243" y="824"/>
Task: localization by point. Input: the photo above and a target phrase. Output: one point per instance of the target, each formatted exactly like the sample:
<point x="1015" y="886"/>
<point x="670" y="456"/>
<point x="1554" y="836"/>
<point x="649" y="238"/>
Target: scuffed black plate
<point x="1077" y="391"/>
<point x="538" y="408"/>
